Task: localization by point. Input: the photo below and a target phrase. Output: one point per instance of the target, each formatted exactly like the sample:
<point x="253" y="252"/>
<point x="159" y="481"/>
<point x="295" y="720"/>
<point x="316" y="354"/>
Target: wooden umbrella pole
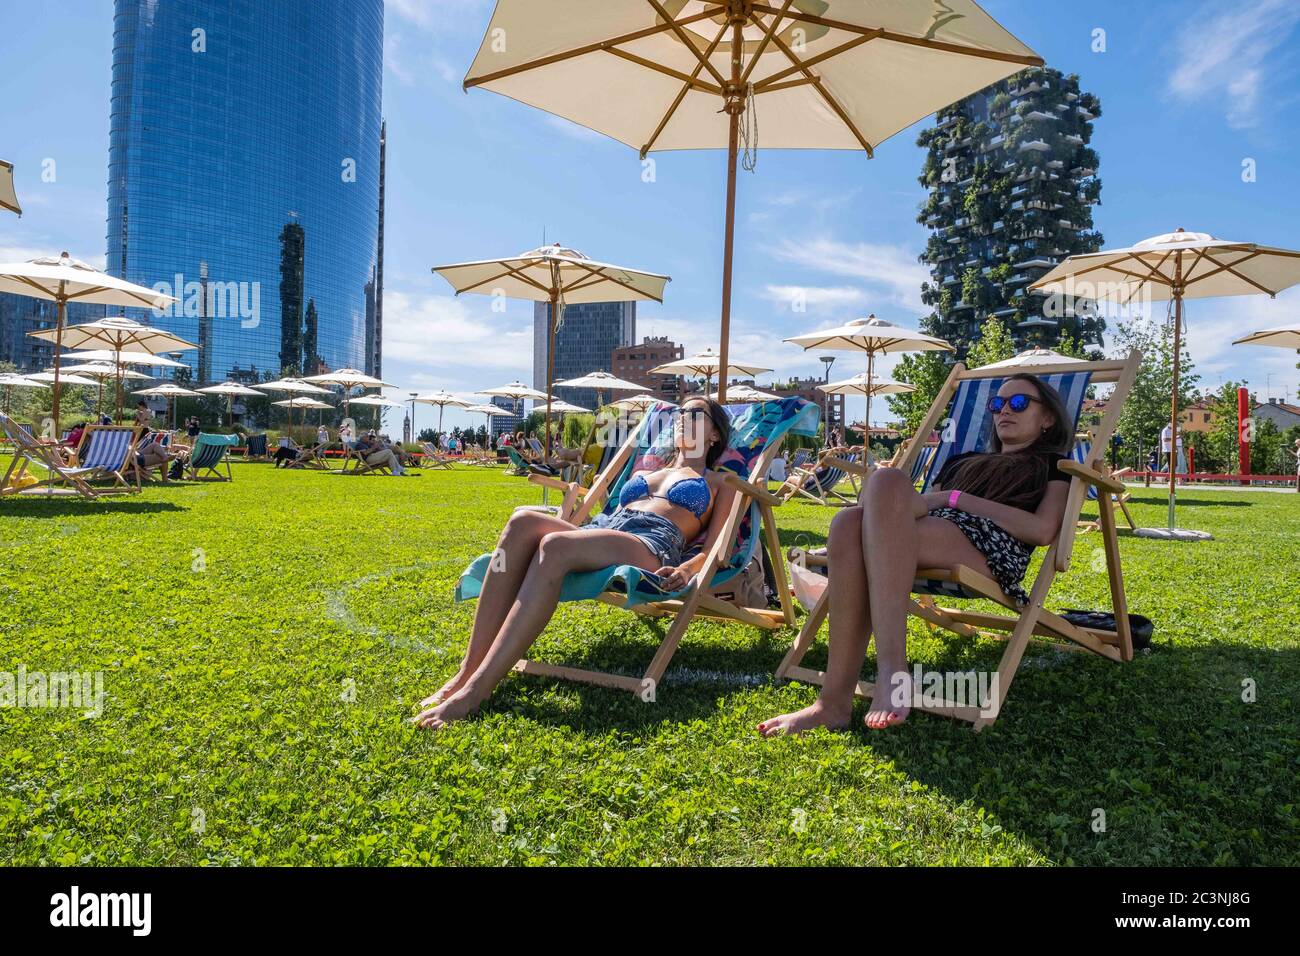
<point x="734" y="106"/>
<point x="550" y="355"/>
<point x="1173" y="401"/>
<point x="58" y="350"/>
<point x="866" y="438"/>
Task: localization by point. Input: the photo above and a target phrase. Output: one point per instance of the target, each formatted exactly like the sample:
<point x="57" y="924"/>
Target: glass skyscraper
<point x="244" y="174"/>
<point x="584" y="343"/>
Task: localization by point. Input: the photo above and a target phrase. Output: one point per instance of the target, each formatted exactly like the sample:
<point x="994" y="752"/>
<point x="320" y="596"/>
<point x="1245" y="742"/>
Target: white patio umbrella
<point x="556" y="275"/>
<point x="101" y="372"/>
<point x="714" y="74"/>
<point x="861" y="384"/>
<point x="874" y="337"/>
<point x="1030" y="357"/>
<point x="488" y="410"/>
<point x="602" y="382"/>
<point x="52" y="377"/>
<point x="230" y="390"/>
<point x="1176" y="265"/>
<point x="347" y="379"/>
<point x="706" y="365"/>
<point x="558" y="406"/>
<point x="169" y="391"/>
<point x="8" y="198"/>
<point x="745" y="394"/>
<point x="9" y="381"/>
<point x="1280" y="336"/>
<point x="65" y="279"/>
<point x="516" y="390"/>
<point x="293" y="386"/>
<point x="300" y="401"/>
<point x="443" y="400"/>
<point x="637" y="403"/>
<point x="116" y="333"/>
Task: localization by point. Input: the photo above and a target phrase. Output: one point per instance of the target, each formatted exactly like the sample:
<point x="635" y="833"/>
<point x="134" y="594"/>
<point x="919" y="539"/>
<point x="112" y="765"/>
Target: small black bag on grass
<point x="1141" y="628"/>
<point x="176" y="471"/>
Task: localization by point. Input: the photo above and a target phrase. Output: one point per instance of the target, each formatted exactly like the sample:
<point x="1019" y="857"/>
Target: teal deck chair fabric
<point x="754" y="428"/>
<point x="209" y="452"/>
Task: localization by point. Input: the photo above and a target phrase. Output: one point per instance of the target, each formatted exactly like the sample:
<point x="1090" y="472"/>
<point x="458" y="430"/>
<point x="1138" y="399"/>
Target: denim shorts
<point x="660" y="535"/>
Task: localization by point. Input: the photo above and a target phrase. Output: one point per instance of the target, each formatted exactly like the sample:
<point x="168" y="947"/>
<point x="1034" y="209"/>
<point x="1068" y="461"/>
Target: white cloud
<point x="891" y="271"/>
<point x="441" y="341"/>
<point x="814" y="297"/>
<point x="1221" y="53"/>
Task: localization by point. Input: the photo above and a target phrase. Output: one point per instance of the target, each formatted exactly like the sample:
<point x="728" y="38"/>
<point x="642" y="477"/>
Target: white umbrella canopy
<point x="101" y="372"/>
<point x="230" y="390"/>
<point x="637" y="403"/>
<point x="58" y="378"/>
<point x="169" y="391"/>
<point x="122" y="358"/>
<point x="557" y="406"/>
<point x="601" y="381"/>
<point x="515" y="390"/>
<point x="444" y="400"/>
<point x="299" y="402"/>
<point x="694" y="74"/>
<point x="1281" y="336"/>
<point x="65" y="279"/>
<point x="558" y="275"/>
<point x="9" y="381"/>
<point x="706" y="365"/>
<point x="8" y="198"/>
<point x="1030" y="357"/>
<point x="292" y="385"/>
<point x="377" y="401"/>
<point x="872" y="336"/>
<point x="745" y="393"/>
<point x="860" y="384"/>
<point x="1176" y="265"/>
<point x="348" y="378"/>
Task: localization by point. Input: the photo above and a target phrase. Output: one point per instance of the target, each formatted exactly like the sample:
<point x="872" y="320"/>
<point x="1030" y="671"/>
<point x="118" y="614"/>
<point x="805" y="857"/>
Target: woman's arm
<point x="674" y="579"/>
<point x="1038" y="528"/>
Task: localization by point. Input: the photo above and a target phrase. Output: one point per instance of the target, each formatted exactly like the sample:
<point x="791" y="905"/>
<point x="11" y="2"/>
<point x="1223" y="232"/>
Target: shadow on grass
<point x="63" y="507"/>
<point x="1163" y="502"/>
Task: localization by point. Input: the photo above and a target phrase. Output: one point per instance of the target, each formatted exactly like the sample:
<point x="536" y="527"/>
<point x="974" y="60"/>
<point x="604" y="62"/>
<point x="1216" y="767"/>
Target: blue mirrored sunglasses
<point x="1018" y="402"/>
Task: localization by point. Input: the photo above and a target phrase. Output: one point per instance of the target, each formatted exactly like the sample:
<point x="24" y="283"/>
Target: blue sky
<point x="1189" y="90"/>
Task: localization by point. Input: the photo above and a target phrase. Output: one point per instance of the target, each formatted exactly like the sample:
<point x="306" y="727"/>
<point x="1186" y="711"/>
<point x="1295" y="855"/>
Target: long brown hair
<point x="721" y="421"/>
<point x="1017" y="478"/>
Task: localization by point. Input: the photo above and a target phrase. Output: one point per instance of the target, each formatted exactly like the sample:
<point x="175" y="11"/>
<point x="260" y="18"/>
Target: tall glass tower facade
<point x="244" y="177"/>
<point x="584" y="343"/>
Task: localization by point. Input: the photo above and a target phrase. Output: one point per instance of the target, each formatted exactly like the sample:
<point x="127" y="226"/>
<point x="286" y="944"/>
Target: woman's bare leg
<point x="514" y="553"/>
<point x="850" y="631"/>
<point x="534" y="605"/>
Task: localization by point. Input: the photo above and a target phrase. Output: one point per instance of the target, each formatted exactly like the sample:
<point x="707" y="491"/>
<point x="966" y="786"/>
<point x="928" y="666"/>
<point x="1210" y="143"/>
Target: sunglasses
<point x="1018" y="402"/>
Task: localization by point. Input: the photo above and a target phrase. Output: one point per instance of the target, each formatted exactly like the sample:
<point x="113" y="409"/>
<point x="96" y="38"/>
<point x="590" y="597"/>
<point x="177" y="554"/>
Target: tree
<point x="993" y="345"/>
<point x="1146" y="412"/>
<point x="927" y="371"/>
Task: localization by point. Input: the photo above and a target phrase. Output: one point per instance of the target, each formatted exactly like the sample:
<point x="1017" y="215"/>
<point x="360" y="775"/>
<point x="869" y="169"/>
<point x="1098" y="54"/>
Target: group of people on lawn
<point x="987" y="511"/>
<point x="377" y="451"/>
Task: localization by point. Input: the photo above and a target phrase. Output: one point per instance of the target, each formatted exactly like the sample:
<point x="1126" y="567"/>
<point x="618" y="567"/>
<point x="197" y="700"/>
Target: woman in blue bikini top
<point x="658" y="513"/>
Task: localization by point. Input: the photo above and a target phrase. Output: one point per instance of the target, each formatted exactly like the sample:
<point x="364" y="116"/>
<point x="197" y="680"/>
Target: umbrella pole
<point x="117" y="360"/>
<point x="1173" y="402"/>
<point x="735" y="105"/>
<point x="58" y="349"/>
<point x="550" y="360"/>
<point x="871" y="362"/>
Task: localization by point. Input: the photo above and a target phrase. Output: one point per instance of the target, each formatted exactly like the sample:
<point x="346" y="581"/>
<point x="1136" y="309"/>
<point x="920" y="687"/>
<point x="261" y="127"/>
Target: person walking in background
<point x="142" y="414"/>
<point x="192" y="428"/>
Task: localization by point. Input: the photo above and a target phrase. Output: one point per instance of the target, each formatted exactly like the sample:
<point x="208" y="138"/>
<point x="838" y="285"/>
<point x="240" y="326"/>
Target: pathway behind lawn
<point x="263" y="643"/>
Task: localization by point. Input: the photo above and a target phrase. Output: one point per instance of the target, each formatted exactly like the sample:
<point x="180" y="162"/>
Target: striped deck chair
<point x="433" y="458"/>
<point x="966" y="428"/>
<point x="1080" y="452"/>
<point x="26" y="452"/>
<point x="209" y="455"/>
<point x="163" y="439"/>
<point x="108" y="451"/>
<point x="757" y="431"/>
<point x="255" y="448"/>
<point x="817" y="481"/>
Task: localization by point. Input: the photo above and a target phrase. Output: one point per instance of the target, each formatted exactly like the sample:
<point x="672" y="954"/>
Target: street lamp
<point x="828" y="361"/>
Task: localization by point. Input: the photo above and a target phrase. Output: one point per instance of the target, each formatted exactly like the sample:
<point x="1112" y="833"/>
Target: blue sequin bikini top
<point x="690" y="493"/>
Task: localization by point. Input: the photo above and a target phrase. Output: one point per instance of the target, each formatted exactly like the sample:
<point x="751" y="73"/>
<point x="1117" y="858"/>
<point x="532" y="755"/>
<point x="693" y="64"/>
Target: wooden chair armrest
<point x="752" y="490"/>
<point x="555" y="483"/>
<point x="1078" y="470"/>
<point x="852" y="467"/>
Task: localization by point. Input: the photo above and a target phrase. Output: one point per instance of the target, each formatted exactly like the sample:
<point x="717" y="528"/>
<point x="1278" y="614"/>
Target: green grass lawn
<point x="263" y="643"/>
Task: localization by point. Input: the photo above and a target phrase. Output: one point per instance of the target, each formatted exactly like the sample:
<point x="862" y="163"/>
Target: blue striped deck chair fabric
<point x="255" y="447"/>
<point x="108" y="451"/>
<point x="922" y="463"/>
<point x="961" y="417"/>
<point x="757" y="432"/>
<point x="209" y="455"/>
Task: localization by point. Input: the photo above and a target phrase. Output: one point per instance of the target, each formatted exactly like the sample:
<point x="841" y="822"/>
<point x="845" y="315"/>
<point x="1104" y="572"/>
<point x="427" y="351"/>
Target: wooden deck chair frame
<point x="163" y="438"/>
<point x="1034" y="620"/>
<point x="577" y="506"/>
<point x="115" y="470"/>
<point x="434" y="458"/>
<point x="831" y="459"/>
<point x="26" y="451"/>
<point x="1118" y="502"/>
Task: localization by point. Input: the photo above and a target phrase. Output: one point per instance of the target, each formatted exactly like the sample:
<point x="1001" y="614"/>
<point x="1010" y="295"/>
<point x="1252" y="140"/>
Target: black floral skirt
<point x="1008" y="557"/>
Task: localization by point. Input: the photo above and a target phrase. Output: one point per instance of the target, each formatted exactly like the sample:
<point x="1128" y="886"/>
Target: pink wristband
<point x="952" y="499"/>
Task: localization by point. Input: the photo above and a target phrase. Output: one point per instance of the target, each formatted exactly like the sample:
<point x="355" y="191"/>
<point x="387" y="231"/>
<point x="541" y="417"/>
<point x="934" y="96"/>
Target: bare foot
<point x="445" y="691"/>
<point x="456" y="707"/>
<point x="892" y="703"/>
<point x="817" y="714"/>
